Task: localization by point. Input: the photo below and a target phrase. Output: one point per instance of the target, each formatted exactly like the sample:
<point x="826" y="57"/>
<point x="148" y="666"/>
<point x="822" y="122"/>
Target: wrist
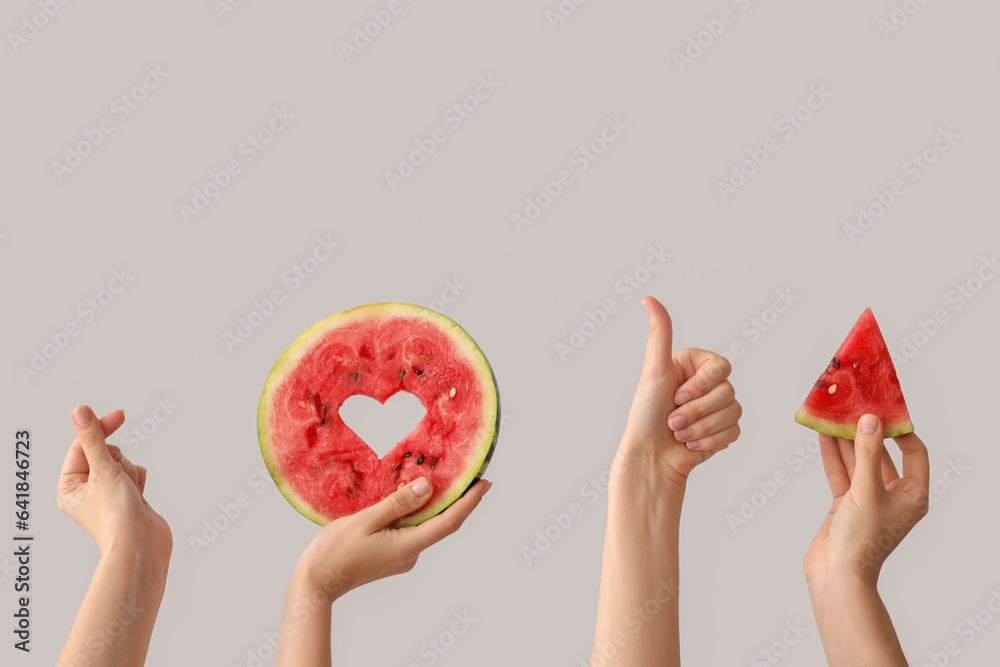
<point x="842" y="582"/>
<point x="135" y="548"/>
<point x="316" y="578"/>
<point x="639" y="468"/>
<point x="130" y="563"/>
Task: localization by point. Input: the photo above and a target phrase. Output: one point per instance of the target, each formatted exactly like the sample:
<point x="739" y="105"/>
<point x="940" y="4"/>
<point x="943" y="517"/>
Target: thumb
<point x="868" y="455"/>
<point x="659" y="360"/>
<point x="404" y="501"/>
<point x="90" y="433"/>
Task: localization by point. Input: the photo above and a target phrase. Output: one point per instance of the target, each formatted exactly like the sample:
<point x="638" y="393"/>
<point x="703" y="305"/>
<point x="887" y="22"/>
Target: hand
<point x="102" y="490"/>
<point x="356" y="549"/>
<point x="676" y="439"/>
<point x="873" y="507"/>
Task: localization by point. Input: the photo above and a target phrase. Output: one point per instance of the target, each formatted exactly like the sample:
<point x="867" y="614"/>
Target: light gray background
<point x="162" y="337"/>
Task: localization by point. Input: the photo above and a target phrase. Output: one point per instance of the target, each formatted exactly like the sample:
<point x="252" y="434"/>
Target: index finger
<point x="75" y="462"/>
<point x="417" y="538"/>
<point x="705" y="370"/>
<point x="90" y="433"/>
<point x="916" y="463"/>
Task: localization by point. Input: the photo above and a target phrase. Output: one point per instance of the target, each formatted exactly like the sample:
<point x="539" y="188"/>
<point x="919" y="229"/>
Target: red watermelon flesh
<point x="859" y="380"/>
<point x="325" y="469"/>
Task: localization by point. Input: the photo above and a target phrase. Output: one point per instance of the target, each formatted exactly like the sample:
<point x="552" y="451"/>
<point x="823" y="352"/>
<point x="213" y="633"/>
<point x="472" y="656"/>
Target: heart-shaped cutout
<point x="382" y="426"/>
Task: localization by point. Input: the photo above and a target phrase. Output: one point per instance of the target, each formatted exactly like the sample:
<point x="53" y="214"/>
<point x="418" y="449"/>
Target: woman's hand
<point x="873" y="510"/>
<point x="873" y="507"/>
<point x="684" y="410"/>
<point x="354" y="550"/>
<point x="102" y="490"/>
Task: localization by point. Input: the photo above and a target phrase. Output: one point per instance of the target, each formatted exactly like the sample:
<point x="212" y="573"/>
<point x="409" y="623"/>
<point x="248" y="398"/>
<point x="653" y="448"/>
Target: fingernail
<point x="421" y="487"/>
<point x="678" y="422"/>
<point x="681" y="399"/>
<point x="869" y="424"/>
<point x="644" y="304"/>
<point x="693" y="445"/>
<point x="81" y="415"/>
<point x="683" y="435"/>
<point x="489" y="485"/>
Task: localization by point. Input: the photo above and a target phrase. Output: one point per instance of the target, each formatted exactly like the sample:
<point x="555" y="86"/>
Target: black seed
<point x="399" y="466"/>
<point x="836" y="362"/>
<point x="357" y="377"/>
<point x="402" y="373"/>
<point x="420" y="372"/>
<point x="350" y="493"/>
<point x="407" y="455"/>
<point x="432" y="460"/>
<point x="820" y="383"/>
<point x="325" y="409"/>
<point x="420" y="459"/>
<point x="323" y="421"/>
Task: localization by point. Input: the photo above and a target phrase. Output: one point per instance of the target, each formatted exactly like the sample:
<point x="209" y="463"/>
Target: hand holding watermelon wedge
<point x="873" y="510"/>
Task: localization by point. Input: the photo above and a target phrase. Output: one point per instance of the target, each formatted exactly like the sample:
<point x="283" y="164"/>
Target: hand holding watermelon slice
<point x="379" y="513"/>
<point x="874" y="508"/>
<point x="357" y="549"/>
<point x="354" y="550"/>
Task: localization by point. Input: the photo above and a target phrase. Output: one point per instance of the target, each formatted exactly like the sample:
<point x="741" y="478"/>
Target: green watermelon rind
<point x="847" y="431"/>
<point x="473" y="472"/>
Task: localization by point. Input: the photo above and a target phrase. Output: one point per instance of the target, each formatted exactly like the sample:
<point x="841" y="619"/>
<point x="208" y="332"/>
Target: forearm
<point x="854" y="624"/>
<point x="637" y="617"/>
<point x="305" y="625"/>
<point x="115" y="622"/>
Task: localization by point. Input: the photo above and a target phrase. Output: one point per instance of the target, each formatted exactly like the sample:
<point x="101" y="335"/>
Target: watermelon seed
<point x="399" y="466"/>
<point x="833" y="388"/>
<point x="402" y="373"/>
<point x="453" y="392"/>
<point x="836" y="362"/>
<point x="401" y="485"/>
<point x="856" y="363"/>
<point x="432" y="461"/>
<point x="425" y="357"/>
<point x="420" y="372"/>
<point x="407" y="455"/>
<point x="420" y="459"/>
<point x="820" y="383"/>
<point x="323" y="420"/>
<point x="350" y="493"/>
<point x="357" y="377"/>
<point x="325" y="409"/>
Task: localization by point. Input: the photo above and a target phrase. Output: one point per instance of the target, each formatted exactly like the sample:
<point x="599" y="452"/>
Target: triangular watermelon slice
<point x="860" y="379"/>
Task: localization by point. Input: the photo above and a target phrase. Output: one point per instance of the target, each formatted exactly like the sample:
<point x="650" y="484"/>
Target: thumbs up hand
<point x="684" y="410"/>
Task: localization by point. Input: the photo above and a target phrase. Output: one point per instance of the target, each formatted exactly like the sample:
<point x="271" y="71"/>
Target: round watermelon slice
<point x="325" y="469"/>
<point x="860" y="379"/>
